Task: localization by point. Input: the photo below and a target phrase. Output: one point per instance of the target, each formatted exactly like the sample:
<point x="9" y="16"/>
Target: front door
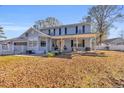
<point x="72" y="44"/>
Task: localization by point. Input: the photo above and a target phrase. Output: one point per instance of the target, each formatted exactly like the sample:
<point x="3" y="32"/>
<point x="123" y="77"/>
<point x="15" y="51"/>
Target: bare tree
<point x="103" y="17"/>
<point x="2" y="33"/>
<point x="122" y="34"/>
<point x="48" y="22"/>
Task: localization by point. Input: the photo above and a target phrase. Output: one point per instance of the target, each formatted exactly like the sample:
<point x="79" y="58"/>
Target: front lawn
<point x="78" y="71"/>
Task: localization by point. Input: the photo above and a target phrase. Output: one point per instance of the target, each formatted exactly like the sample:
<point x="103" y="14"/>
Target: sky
<point x="17" y="19"/>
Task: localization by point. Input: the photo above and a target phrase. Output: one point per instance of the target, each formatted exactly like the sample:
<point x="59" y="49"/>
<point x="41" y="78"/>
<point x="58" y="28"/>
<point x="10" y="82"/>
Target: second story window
<point x="54" y="32"/>
<point x="59" y="31"/>
<point x="83" y="29"/>
<point x="76" y="29"/>
<point x="49" y="32"/>
<point x="65" y="30"/>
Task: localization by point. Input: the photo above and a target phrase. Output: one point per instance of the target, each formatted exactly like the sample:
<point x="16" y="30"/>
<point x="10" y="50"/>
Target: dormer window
<point x="26" y="34"/>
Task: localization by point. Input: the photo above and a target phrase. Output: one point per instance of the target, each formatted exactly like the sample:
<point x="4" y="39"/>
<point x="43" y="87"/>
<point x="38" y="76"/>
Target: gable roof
<point x="23" y="39"/>
<point x="115" y="41"/>
<point x="32" y="29"/>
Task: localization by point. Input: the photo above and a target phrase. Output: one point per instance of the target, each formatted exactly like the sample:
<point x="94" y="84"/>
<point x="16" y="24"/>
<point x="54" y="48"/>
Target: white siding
<point x="57" y="32"/>
<point x="70" y="29"/>
<point x="8" y="51"/>
<point x="87" y="29"/>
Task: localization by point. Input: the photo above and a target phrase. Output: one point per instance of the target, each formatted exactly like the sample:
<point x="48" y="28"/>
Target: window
<point x="32" y="43"/>
<point x="53" y="45"/>
<point x="43" y="43"/>
<point x="76" y="29"/>
<point x="54" y="31"/>
<point x="59" y="31"/>
<point x="83" y="29"/>
<point x="20" y="43"/>
<point x="83" y="43"/>
<point x="72" y="43"/>
<point x="26" y="34"/>
<point x="49" y="32"/>
<point x="4" y="47"/>
<point x="65" y="31"/>
<point x="32" y="32"/>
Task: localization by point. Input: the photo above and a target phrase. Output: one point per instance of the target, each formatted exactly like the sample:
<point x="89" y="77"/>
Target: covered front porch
<point x="71" y="43"/>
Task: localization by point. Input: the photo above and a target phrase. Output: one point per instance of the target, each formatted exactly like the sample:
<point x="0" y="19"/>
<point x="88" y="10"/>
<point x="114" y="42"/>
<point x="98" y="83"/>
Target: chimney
<point x="88" y="19"/>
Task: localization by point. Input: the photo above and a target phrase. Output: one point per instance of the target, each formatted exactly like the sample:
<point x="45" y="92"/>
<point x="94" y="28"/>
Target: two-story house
<point x="64" y="38"/>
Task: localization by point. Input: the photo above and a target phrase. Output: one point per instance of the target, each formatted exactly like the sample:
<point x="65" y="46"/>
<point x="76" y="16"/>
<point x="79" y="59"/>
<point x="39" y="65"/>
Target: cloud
<point x="13" y="24"/>
<point x="6" y="23"/>
<point x="9" y="26"/>
<point x="14" y="31"/>
<point x="15" y="28"/>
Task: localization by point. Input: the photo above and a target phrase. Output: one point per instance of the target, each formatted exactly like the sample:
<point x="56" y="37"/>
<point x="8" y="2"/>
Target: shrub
<point x="87" y="49"/>
<point x="50" y="54"/>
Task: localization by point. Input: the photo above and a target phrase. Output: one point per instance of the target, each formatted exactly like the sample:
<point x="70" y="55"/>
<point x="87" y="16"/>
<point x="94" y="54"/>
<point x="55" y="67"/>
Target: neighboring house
<point x="64" y="38"/>
<point x="112" y="44"/>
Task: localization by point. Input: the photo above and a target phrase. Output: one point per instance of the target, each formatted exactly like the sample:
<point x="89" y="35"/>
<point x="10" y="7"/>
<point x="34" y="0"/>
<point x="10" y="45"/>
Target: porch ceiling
<point x="74" y="36"/>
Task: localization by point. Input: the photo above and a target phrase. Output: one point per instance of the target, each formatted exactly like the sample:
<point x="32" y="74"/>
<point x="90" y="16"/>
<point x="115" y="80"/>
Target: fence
<point x="111" y="47"/>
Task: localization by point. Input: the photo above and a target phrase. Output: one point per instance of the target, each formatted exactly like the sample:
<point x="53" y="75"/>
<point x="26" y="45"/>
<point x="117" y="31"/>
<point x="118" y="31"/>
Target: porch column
<point x="13" y="50"/>
<point x="61" y="45"/>
<point x="46" y="45"/>
<point x="95" y="44"/>
<point x="50" y="45"/>
<point x="91" y="44"/>
<point x="76" y="44"/>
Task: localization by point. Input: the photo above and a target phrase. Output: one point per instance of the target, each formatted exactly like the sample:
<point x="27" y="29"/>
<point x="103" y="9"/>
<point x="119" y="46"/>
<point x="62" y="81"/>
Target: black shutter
<point x="83" y="28"/>
<point x="49" y="31"/>
<point x="76" y="29"/>
<point x="54" y="31"/>
<point x="83" y="43"/>
<point x="65" y="31"/>
<point x="72" y="43"/>
<point x="59" y="31"/>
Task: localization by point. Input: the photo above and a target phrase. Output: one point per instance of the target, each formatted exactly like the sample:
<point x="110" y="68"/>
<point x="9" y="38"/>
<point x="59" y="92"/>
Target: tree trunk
<point x="100" y="38"/>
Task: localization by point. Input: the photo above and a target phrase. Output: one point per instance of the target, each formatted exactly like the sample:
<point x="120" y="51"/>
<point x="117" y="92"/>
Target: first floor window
<point x="5" y="47"/>
<point x="32" y="43"/>
<point x="43" y="43"/>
